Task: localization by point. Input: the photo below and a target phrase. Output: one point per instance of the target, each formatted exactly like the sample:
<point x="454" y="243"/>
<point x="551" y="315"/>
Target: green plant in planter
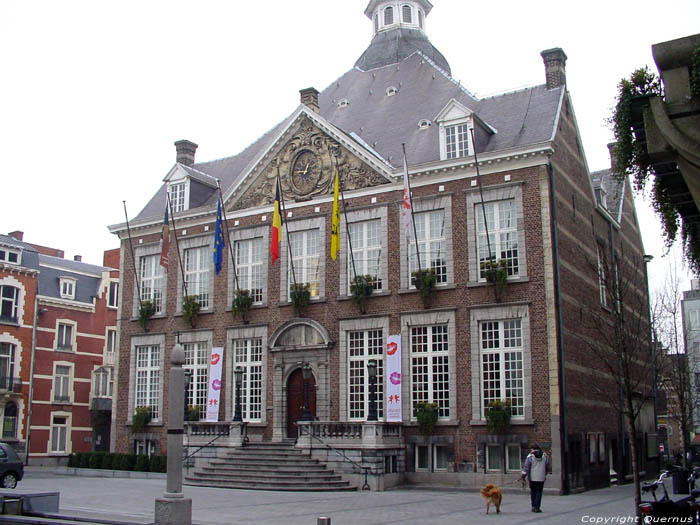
<point x="190" y="309"/>
<point x="141" y="418"/>
<point x="361" y="288"/>
<point x="193" y="412"/>
<point x="427" y="416"/>
<point x="300" y="295"/>
<point x="498" y="416"/>
<point x="424" y="281"/>
<point x="497" y="274"/>
<point x="242" y="301"/>
<point x="146" y="311"/>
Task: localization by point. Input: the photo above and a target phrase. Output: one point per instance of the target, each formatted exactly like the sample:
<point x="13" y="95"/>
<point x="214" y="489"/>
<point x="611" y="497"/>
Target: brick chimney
<point x="309" y="97"/>
<point x="78" y="258"/>
<point x="554" y="67"/>
<point x="18" y="235"/>
<point x="185" y="152"/>
<point x="611" y="151"/>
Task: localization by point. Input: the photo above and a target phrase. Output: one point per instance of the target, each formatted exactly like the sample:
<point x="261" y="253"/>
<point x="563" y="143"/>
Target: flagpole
<point x="347" y="222"/>
<point x="282" y="221"/>
<point x="228" y="237"/>
<point x="133" y="259"/>
<point x="413" y="217"/>
<point x="177" y="247"/>
<point x="483" y="208"/>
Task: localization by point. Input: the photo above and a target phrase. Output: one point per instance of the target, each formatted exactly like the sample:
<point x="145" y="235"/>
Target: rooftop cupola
<point x="398" y="32"/>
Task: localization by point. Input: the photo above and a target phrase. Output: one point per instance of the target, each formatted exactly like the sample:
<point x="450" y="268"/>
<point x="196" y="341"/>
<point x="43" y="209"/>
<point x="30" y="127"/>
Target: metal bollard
<point x="323" y="521"/>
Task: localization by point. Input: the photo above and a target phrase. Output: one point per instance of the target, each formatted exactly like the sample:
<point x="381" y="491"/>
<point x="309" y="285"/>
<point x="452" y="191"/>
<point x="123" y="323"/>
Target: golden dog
<point x="492" y="494"/>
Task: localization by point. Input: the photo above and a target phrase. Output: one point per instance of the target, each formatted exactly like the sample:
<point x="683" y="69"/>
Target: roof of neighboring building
<point x="30" y="257"/>
<point x="53" y="268"/>
<point x="614" y="190"/>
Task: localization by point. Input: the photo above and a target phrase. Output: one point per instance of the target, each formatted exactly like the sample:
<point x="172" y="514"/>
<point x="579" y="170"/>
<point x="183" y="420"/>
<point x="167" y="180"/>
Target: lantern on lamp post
<point x="306" y="373"/>
<point x="372" y="375"/>
<point x="238" y="377"/>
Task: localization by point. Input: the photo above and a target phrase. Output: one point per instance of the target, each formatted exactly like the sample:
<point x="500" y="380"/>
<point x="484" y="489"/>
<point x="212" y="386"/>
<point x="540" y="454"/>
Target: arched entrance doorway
<point x="296" y="392"/>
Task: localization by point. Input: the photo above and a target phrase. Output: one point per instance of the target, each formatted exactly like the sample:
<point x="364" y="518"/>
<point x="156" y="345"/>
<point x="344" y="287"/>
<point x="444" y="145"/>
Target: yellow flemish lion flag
<point x="335" y="225"/>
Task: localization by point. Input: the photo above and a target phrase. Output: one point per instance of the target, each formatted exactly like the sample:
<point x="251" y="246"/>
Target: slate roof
<point x="384" y="122"/>
<point x="30" y="257"/>
<point x="86" y="285"/>
<point x="614" y="190"/>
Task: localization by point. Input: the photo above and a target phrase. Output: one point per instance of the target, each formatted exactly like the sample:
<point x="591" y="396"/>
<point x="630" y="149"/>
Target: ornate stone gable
<point x="306" y="167"/>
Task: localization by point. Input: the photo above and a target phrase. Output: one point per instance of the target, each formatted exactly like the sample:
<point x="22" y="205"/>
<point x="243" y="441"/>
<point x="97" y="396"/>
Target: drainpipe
<point x="560" y="337"/>
<point x="31" y="375"/>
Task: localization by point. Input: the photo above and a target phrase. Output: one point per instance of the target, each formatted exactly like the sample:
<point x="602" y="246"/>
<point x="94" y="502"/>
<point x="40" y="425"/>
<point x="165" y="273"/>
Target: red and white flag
<point x="406" y="207"/>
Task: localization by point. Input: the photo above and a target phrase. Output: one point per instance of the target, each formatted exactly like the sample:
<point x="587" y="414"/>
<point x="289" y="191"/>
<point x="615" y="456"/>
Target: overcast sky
<point x="95" y="92"/>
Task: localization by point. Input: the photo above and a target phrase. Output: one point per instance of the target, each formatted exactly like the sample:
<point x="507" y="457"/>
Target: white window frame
<point x="419" y="455"/>
<point x="500" y="192"/>
<point x="203" y="271"/>
<point x="62" y="386"/>
<point x="246" y="334"/>
<point x="197" y="357"/>
<point x="363" y="346"/>
<point x="8" y="353"/>
<point x="111" y="340"/>
<point x="65" y="429"/>
<point x="6" y="254"/>
<point x="457" y="140"/>
<point x="179" y="194"/>
<point x="505" y="340"/>
<point x="152" y="284"/>
<point x="153" y="395"/>
<point x="602" y="285"/>
<point x="67" y="287"/>
<point x="298" y="226"/>
<point x="259" y="234"/>
<point x="103" y="382"/>
<point x="499" y="447"/>
<point x="388" y="10"/>
<point x="410" y="14"/>
<point x="249" y="255"/>
<point x="503" y="234"/>
<point x="248" y="353"/>
<point x="429" y="247"/>
<point x="12" y="299"/>
<point x="499" y="313"/>
<point x="60" y="337"/>
<point x="436" y="457"/>
<point x="113" y="294"/>
<point x="509" y="467"/>
<point x="364" y="217"/>
<point x="428" y="204"/>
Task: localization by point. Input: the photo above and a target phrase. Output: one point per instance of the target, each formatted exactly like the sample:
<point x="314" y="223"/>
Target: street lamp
<point x="188" y="381"/>
<point x="306" y="373"/>
<point x="372" y="374"/>
<point x="238" y="373"/>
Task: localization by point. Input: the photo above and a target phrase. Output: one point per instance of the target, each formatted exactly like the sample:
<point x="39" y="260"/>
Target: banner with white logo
<point x="217" y="358"/>
<point x="392" y="397"/>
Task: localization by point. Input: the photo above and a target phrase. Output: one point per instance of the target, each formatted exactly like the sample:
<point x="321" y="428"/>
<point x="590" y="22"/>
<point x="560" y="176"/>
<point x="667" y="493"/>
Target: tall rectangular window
<point x="9" y="301"/>
<point x="197" y="274"/>
<point x="59" y="434"/>
<point x="502" y="364"/>
<point x="151" y="277"/>
<point x="113" y="298"/>
<point x="111" y="340"/>
<point x="148" y="378"/>
<point x="64" y="337"/>
<point x="61" y="384"/>
<point x="249" y="267"/>
<point x="366" y="241"/>
<point x="248" y="354"/>
<point x="502" y="242"/>
<point x="430" y="373"/>
<point x="457" y="141"/>
<point x="363" y="346"/>
<point x="7" y="365"/>
<point x="601" y="278"/>
<point x="306" y="261"/>
<point x="103" y="382"/>
<point x="430" y="231"/>
<point x="197" y="362"/>
<point x="176" y="192"/>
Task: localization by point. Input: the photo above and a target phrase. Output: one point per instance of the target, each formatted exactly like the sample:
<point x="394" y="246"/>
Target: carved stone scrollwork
<point x="306" y="167"/>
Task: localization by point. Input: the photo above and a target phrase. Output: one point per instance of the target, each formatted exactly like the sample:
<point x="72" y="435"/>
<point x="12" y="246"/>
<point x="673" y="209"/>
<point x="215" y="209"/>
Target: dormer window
<point x="391" y="91"/>
<point x="388" y="16"/>
<point x="176" y="193"/>
<point x="457" y="141"/>
<point x="9" y="256"/>
<point x="343" y="102"/>
<point x="424" y="124"/>
<point x="456" y="123"/>
<point x="67" y="286"/>
<point x="602" y="197"/>
<point x="406" y="14"/>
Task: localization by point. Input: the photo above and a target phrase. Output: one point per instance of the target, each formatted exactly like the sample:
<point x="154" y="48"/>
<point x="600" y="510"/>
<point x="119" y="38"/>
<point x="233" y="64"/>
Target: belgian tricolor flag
<point x="276" y="234"/>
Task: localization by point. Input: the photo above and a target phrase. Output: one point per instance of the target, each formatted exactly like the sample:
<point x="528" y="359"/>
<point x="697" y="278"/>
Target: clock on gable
<point x="305" y="172"/>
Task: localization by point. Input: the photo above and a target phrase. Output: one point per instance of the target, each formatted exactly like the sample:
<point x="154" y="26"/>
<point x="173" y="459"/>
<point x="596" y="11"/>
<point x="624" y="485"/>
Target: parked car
<point x="11" y="467"/>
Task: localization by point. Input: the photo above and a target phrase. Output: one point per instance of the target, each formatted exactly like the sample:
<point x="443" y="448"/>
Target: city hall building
<point x="498" y="184"/>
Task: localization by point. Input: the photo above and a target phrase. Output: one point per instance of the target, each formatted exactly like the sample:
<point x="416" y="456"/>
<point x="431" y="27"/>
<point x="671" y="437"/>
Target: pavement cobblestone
<point x="133" y="501"/>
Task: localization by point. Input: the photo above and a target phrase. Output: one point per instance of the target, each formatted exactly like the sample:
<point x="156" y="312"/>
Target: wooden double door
<point x="295" y="400"/>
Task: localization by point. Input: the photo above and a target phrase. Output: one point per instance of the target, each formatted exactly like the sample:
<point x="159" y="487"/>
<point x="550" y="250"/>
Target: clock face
<point x="306" y="172"/>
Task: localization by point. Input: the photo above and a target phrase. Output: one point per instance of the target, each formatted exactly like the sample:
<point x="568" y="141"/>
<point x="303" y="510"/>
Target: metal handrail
<point x="367" y="470"/>
<point x="203" y="446"/>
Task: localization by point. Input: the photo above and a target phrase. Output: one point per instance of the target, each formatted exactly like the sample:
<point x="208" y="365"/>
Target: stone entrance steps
<point x="268" y="466"/>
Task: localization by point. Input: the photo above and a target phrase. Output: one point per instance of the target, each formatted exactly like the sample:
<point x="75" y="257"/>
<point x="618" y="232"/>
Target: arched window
<point x="9" y="421"/>
<point x="300" y="335"/>
<point x="420" y="19"/>
<point x="388" y="16"/>
<point x="376" y="22"/>
<point x="406" y="13"/>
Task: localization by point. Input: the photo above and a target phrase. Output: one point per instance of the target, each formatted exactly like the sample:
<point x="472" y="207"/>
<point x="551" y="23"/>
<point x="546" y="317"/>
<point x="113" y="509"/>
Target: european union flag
<point x="219" y="240"/>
